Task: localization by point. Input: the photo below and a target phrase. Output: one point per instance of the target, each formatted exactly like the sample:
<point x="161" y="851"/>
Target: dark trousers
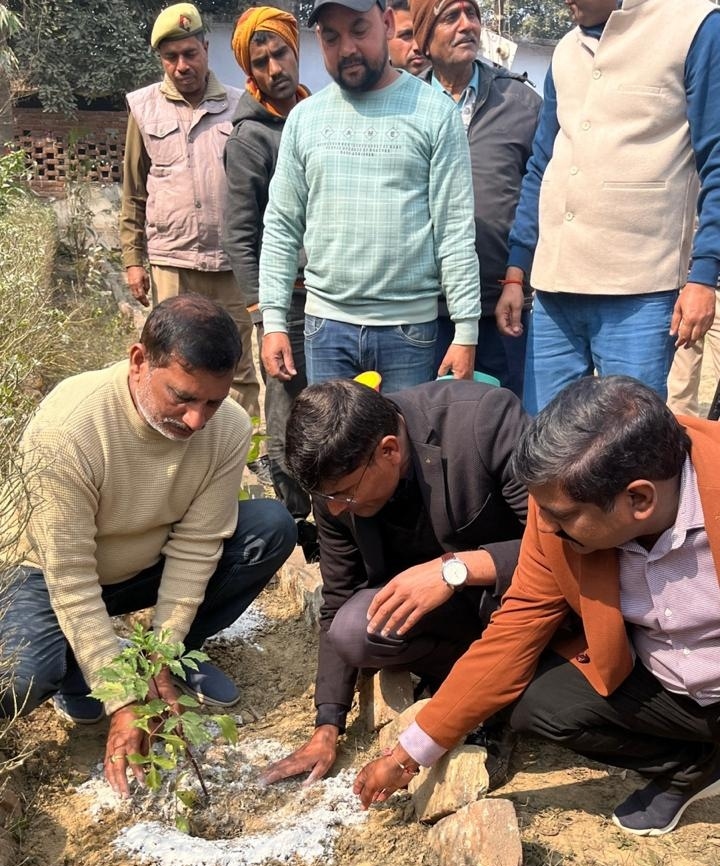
<point x="430" y="648"/>
<point x="41" y="659"/>
<point x="641" y="726"/>
<point x="279" y="397"/>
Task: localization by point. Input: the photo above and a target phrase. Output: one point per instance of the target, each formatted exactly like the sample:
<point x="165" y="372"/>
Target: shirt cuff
<point x="521" y="257"/>
<point x="274" y="320"/>
<point x="466" y="332"/>
<point x="705" y="271"/>
<point x="420" y="746"/>
<point x="331" y="714"/>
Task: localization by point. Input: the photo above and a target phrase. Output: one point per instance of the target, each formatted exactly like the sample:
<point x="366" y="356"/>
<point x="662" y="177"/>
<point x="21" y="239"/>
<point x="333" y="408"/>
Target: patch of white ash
<point x="303" y="828"/>
<point x="245" y="628"/>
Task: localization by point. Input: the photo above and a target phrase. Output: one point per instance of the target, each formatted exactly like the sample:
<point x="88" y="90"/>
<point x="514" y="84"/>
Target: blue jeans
<point x="572" y="336"/>
<point x="404" y="355"/>
<point x="500" y="356"/>
<point x="43" y="662"/>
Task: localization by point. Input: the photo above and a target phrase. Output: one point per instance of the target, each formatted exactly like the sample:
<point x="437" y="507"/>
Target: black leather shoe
<point x="500" y="742"/>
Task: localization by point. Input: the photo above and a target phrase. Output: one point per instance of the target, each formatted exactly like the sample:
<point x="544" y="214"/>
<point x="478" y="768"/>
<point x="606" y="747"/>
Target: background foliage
<point x="67" y="50"/>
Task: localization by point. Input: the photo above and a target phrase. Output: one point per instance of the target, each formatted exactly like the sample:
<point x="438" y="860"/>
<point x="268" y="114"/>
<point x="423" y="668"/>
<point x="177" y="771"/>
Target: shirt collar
<point x="472" y="86"/>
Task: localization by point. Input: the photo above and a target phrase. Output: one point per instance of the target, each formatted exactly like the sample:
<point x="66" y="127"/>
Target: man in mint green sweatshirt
<point x="372" y="179"/>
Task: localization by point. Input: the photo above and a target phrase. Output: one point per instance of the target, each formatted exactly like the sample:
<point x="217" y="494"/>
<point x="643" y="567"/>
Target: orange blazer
<point x="553" y="585"/>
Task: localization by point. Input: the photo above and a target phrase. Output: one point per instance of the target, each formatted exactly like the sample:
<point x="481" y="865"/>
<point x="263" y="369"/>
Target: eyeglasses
<point x="346" y="500"/>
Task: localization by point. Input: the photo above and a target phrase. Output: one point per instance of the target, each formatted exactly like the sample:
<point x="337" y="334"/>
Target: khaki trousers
<point x="684" y="378"/>
<point x="220" y="286"/>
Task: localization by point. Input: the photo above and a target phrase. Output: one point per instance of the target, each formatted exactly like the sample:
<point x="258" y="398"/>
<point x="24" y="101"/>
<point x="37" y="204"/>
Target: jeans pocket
<point x="313" y="326"/>
<point x="422" y="334"/>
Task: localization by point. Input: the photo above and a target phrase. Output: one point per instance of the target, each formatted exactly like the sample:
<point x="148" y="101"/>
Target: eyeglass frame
<point x="347" y="500"/>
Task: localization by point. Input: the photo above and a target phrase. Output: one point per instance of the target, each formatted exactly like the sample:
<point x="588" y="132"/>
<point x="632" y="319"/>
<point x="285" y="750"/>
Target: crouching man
<point x="132" y="474"/>
<point x="419" y="522"/>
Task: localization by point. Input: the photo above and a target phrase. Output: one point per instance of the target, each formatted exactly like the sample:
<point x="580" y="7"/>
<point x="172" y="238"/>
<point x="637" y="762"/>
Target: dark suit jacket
<point x="461" y="436"/>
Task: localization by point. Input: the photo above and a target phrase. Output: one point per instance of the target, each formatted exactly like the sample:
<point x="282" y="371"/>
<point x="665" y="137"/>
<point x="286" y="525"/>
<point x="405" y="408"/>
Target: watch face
<point x="454" y="572"/>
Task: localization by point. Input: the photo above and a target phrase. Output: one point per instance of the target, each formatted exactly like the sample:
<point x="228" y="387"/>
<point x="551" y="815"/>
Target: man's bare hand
<point x="138" y="281"/>
<point x="693" y="314"/>
<point x="378" y="780"/>
<point x="405" y="600"/>
<point x="459" y="360"/>
<point x="508" y="310"/>
<point x="315" y="757"/>
<point x="125" y="739"/>
<point x="277" y="357"/>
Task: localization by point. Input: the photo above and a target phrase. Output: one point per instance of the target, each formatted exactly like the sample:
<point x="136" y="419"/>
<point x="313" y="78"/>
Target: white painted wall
<point x="530" y="57"/>
<point x="533" y="58"/>
<point x="224" y="65"/>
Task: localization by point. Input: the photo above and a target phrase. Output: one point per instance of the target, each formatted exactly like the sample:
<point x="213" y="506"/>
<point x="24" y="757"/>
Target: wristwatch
<point x="454" y="571"/>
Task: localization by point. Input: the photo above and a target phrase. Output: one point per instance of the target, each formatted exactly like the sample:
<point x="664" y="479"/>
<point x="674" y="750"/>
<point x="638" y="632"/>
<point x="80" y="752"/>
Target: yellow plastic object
<point x="371" y="378"/>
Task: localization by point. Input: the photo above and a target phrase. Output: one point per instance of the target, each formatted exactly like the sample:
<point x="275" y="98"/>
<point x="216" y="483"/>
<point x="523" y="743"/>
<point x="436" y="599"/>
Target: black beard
<point x="369" y="79"/>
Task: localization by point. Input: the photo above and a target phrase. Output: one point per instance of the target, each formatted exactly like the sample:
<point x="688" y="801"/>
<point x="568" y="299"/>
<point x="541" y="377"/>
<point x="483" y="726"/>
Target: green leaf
<point x="187" y="701"/>
<point x="152" y="779"/>
<point x="182" y="823"/>
<point x="175" y="742"/>
<point x="137" y="758"/>
<point x="198" y="655"/>
<point x="187" y="797"/>
<point x="164" y="762"/>
<point x="227" y="726"/>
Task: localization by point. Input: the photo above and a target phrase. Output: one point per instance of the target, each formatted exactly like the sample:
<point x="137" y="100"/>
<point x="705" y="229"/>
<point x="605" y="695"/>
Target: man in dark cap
<point x="374" y="164"/>
<point x="174" y="184"/>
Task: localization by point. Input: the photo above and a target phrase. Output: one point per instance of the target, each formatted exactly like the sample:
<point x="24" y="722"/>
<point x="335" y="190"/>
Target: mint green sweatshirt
<point x="377" y="187"/>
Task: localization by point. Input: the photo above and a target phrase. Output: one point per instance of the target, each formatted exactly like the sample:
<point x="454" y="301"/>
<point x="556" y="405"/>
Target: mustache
<point x="352" y="61"/>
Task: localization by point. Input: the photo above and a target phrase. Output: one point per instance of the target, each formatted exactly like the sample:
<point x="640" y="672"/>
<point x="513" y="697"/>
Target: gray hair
<point x="597" y="436"/>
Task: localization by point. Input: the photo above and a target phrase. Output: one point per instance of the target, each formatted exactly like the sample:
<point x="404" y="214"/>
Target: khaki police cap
<point x="176" y="22"/>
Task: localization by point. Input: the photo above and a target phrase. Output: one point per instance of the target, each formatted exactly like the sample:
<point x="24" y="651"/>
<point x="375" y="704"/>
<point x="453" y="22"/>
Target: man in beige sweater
<point x="133" y="475"/>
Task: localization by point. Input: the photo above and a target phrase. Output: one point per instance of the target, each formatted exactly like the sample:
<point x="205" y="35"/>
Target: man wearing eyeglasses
<point x="419" y="523"/>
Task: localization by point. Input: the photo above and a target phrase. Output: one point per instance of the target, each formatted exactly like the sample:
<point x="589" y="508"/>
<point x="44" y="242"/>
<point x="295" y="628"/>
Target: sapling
<point x="171" y="735"/>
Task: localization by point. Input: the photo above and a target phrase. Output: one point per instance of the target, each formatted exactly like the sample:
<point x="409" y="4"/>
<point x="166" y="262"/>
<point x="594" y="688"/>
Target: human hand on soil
<point x="405" y="600"/>
<point x="315" y="757"/>
<point x="125" y="738"/>
<point x="379" y="779"/>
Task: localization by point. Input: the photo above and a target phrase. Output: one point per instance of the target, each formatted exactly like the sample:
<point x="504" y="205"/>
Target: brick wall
<point x="58" y="147"/>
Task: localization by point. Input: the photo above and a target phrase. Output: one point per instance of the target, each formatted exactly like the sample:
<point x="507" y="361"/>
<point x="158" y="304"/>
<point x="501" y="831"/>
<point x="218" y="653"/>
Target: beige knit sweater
<point x="110" y="496"/>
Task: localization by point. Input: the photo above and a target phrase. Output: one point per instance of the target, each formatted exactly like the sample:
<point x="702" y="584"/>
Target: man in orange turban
<point x="265" y="44"/>
<point x="254" y="27"/>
